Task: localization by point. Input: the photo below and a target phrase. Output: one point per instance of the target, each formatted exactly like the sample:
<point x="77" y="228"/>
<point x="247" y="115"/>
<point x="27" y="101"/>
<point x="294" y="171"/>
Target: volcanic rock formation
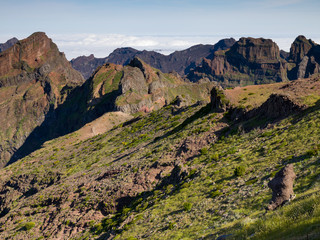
<point x="34" y="78"/>
<point x="304" y="59"/>
<point x="248" y="61"/>
<point x="139" y="87"/>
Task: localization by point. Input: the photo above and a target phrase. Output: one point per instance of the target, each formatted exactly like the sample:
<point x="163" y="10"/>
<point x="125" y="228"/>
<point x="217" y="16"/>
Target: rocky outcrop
<point x="282" y="187"/>
<point x="300" y="48"/>
<point x="248" y="61"/>
<point x="219" y="101"/>
<point x="8" y="44"/>
<point x="179" y="61"/>
<point x="34" y="77"/>
<point x="277" y="106"/>
<point x="138" y="87"/>
<point x="304" y="58"/>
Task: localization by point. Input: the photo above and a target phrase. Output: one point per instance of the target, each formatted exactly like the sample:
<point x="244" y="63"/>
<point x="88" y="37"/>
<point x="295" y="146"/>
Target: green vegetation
<point x="240" y="171"/>
<point x="28" y="226"/>
<point x="220" y="186"/>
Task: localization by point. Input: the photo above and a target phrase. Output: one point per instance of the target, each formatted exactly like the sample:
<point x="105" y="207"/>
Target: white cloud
<point x="101" y="45"/>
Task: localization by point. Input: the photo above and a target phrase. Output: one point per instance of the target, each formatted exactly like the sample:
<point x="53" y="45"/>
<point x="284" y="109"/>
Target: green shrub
<point x="215" y="194"/>
<point x="187" y="206"/>
<point x="240" y="171"/>
<point x="28" y="226"/>
<point x="204" y="151"/>
<point x="171" y="225"/>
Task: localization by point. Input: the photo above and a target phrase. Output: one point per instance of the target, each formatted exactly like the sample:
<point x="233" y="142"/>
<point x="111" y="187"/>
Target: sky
<point x="82" y="27"/>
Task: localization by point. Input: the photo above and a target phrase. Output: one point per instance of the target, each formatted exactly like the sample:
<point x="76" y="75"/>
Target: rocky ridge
<point x="248" y="61"/>
<point x="34" y="78"/>
<point x="257" y="61"/>
<point x="179" y="61"/>
<point x="138" y="87"/>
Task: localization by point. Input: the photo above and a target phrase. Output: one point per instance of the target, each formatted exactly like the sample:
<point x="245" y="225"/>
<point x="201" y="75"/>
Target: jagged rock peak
<point x="148" y="72"/>
<point x="300" y="48"/>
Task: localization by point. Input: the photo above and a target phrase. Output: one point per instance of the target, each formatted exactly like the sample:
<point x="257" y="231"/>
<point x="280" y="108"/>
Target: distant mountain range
<point x="8" y="44"/>
<point x="179" y="61"/>
<point x="133" y="152"/>
<point x="229" y="62"/>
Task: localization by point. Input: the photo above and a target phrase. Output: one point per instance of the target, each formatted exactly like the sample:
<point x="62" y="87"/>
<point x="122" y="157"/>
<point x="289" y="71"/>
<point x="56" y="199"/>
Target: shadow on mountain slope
<point x="70" y="116"/>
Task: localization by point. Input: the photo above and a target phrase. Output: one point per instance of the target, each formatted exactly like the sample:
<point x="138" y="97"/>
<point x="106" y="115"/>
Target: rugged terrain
<point x="192" y="172"/>
<point x="179" y="61"/>
<point x="259" y="61"/>
<point x="43" y="98"/>
<point x="34" y="80"/>
<point x="135" y="153"/>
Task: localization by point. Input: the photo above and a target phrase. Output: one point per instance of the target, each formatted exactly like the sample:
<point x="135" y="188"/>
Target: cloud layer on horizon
<point x="101" y="45"/>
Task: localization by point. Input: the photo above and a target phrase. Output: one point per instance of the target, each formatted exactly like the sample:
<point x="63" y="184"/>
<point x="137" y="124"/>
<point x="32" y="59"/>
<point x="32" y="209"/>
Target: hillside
<point x="179" y="61"/>
<point x="43" y="98"/>
<point x="194" y="171"/>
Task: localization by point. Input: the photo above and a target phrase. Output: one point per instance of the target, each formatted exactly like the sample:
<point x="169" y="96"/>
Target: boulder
<point x="219" y="101"/>
<point x="282" y="187"/>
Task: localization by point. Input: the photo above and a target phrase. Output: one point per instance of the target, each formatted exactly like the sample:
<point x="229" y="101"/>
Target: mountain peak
<point x="300" y="47"/>
<point x="8" y="44"/>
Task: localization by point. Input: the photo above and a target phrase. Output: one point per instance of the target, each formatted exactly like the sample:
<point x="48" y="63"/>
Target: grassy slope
<point x="209" y="202"/>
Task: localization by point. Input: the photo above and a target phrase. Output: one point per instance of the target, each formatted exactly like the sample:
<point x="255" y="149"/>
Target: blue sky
<point x="97" y="26"/>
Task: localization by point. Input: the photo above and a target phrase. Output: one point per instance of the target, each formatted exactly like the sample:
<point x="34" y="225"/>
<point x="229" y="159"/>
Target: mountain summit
<point x="34" y="78"/>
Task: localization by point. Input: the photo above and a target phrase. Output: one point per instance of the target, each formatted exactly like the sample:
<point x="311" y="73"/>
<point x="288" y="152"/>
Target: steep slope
<point x="175" y="173"/>
<point x="133" y="89"/>
<point x="138" y="87"/>
<point x="8" y="44"/>
<point x="179" y="61"/>
<point x="34" y="79"/>
<point x="248" y="61"/>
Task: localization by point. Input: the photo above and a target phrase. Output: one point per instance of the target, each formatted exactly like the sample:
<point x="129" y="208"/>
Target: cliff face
<point x="34" y="78"/>
<point x="304" y="58"/>
<point x="248" y="61"/>
<point x="180" y="61"/>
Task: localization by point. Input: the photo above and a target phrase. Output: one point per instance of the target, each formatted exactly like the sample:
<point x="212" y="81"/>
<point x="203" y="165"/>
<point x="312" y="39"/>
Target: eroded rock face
<point x="248" y="61"/>
<point x="33" y="79"/>
<point x="304" y="58"/>
<point x="282" y="187"/>
<point x="300" y="48"/>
